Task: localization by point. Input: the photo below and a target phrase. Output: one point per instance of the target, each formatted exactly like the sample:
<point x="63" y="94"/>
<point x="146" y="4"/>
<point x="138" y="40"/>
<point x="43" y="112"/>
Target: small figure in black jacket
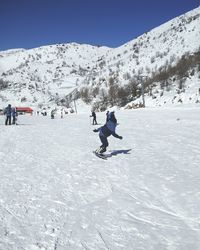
<point x="8" y="114"/>
<point x="107" y="130"/>
<point x="94" y="122"/>
<point x="52" y="114"/>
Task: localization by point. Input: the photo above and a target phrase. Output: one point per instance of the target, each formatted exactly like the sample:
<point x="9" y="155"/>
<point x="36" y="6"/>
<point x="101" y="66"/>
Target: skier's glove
<point x="95" y="130"/>
<point x="120" y="137"/>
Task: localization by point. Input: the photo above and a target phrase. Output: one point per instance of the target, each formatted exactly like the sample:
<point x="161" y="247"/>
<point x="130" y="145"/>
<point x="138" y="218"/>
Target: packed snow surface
<point x="56" y="194"/>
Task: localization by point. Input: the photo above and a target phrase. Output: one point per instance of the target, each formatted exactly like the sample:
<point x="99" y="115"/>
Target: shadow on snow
<point x="117" y="152"/>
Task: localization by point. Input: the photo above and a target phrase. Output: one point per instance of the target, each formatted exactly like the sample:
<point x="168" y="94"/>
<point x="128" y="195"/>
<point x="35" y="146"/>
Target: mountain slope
<point x="45" y="76"/>
<point x="152" y="53"/>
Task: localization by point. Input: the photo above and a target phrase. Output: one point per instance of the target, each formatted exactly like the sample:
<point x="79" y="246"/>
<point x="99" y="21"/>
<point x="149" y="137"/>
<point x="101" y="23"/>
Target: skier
<point x="52" y="114"/>
<point x="107" y="130"/>
<point x="14" y="115"/>
<point x="8" y="113"/>
<point x="94" y="122"/>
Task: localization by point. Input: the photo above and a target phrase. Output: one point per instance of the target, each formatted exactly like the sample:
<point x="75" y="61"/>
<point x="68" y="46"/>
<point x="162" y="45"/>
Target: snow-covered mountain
<point x="166" y="59"/>
<point x="44" y="75"/>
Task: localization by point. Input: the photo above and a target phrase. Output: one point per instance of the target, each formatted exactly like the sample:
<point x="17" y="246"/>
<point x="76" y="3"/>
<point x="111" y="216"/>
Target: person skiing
<point x="107" y="130"/>
<point x="8" y="114"/>
<point x="94" y="122"/>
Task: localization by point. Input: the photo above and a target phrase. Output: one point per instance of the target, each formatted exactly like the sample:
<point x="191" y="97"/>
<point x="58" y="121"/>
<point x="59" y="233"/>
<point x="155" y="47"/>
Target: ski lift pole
<point x="75" y="106"/>
<point x="143" y="100"/>
<point x="142" y="84"/>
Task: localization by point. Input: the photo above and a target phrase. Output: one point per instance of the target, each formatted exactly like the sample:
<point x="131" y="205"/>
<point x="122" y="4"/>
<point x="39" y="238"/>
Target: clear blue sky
<point x="33" y="23"/>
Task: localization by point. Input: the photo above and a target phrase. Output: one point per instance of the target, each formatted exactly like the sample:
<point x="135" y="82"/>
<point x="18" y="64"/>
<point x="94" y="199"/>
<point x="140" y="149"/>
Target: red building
<point x="24" y="110"/>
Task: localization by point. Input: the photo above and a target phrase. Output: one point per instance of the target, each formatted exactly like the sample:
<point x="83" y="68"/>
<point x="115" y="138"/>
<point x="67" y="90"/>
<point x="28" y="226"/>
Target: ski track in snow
<point x="56" y="194"/>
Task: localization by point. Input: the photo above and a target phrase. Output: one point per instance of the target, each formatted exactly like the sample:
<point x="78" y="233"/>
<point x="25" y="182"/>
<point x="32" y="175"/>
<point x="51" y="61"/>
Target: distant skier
<point x="8" y="114"/>
<point x="107" y="130"/>
<point x="52" y="114"/>
<point x="14" y="115"/>
<point x="94" y="122"/>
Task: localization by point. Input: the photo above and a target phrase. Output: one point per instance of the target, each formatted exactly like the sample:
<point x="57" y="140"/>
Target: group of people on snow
<point x="104" y="132"/>
<point x="53" y="113"/>
<point x="11" y="115"/>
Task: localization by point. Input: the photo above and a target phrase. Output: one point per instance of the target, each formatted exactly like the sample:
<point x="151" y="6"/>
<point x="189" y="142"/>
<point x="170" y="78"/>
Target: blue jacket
<point x="108" y="129"/>
<point x="14" y="112"/>
<point x="8" y="111"/>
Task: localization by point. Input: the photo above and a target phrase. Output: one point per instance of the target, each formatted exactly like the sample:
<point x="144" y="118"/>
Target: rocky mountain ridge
<point x="103" y="76"/>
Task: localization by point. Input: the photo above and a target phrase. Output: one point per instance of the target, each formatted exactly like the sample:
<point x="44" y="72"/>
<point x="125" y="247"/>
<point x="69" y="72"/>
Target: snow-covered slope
<point x="154" y="52"/>
<point x="45" y="75"/>
<point x="55" y="194"/>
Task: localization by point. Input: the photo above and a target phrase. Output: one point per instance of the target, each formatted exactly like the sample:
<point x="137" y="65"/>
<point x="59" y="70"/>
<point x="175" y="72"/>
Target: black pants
<point x="13" y="120"/>
<point x="8" y="120"/>
<point x="104" y="143"/>
<point x="94" y="121"/>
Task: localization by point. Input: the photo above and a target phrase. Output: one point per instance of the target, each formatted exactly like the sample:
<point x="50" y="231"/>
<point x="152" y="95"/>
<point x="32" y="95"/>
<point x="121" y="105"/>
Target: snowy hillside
<point x="146" y="57"/>
<point x="55" y="194"/>
<point x="45" y="76"/>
